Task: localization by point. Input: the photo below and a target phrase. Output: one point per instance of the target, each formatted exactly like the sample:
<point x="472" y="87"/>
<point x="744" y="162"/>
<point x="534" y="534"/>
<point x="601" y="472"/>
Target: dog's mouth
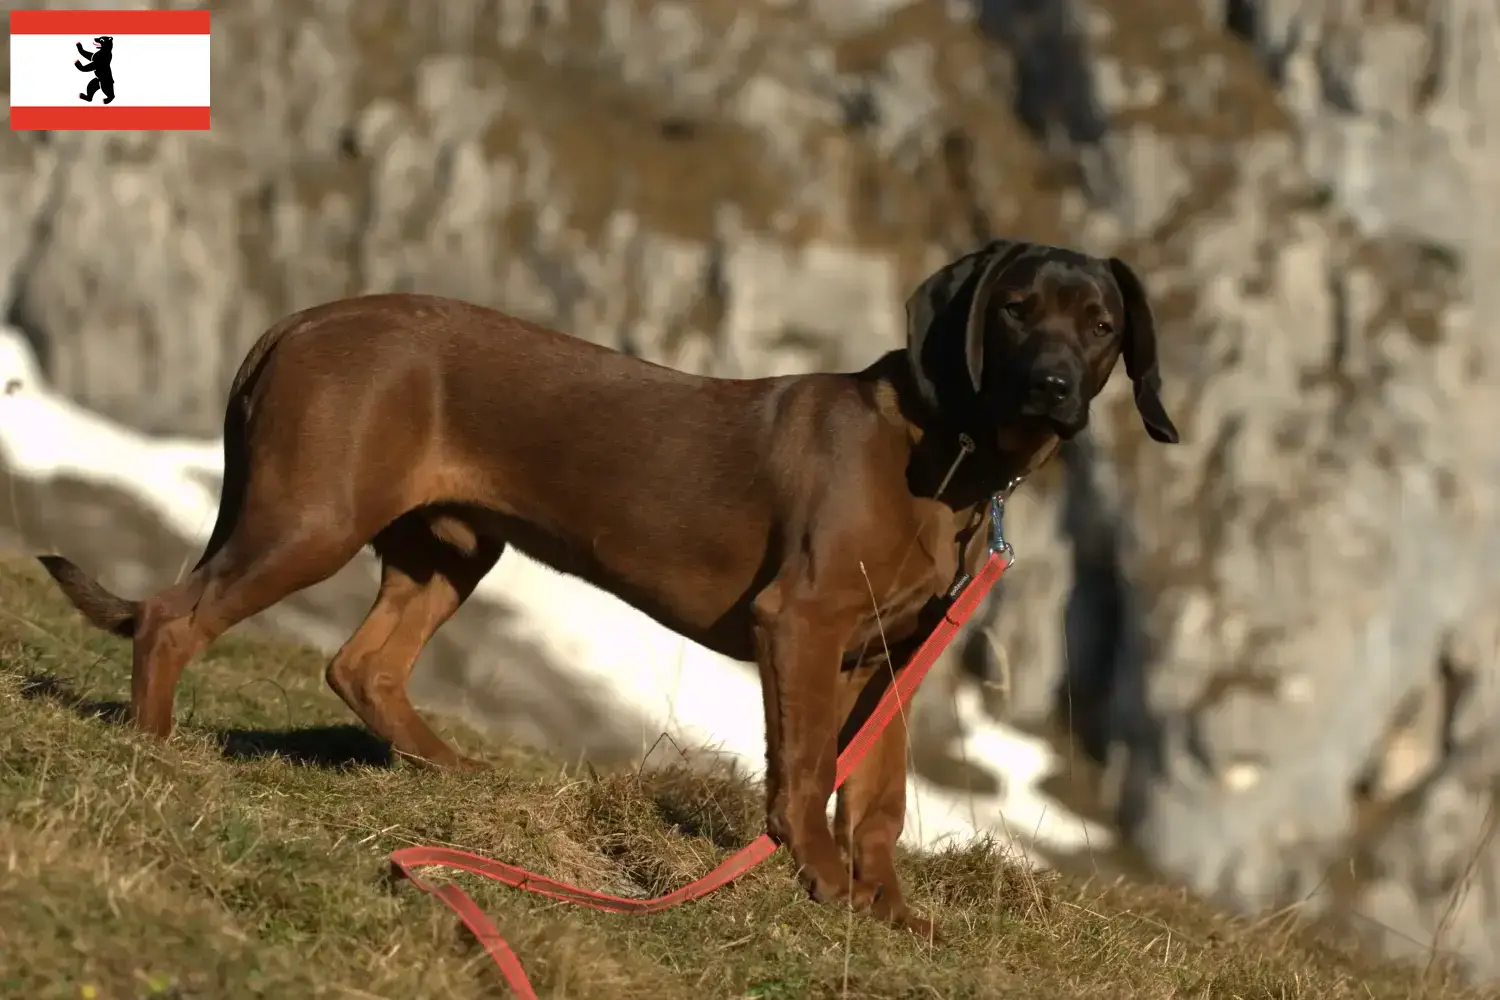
<point x="1066" y="425"/>
<point x="1025" y="432"/>
<point x="1067" y="428"/>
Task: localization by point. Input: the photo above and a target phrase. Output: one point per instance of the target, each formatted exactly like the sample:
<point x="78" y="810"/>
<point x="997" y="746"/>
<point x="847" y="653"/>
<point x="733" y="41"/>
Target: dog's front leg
<point x="872" y="802"/>
<point x="798" y="649"/>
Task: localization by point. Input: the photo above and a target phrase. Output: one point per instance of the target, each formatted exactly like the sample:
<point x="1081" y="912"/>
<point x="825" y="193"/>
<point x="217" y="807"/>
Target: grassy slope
<point x="246" y="859"/>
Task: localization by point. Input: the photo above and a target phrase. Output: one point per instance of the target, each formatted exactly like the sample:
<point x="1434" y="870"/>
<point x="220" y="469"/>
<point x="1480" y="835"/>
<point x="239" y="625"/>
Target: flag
<point x="109" y="69"/>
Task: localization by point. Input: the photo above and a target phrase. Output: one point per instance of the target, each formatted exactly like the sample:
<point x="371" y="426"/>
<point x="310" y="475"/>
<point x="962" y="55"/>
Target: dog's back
<point x="655" y="484"/>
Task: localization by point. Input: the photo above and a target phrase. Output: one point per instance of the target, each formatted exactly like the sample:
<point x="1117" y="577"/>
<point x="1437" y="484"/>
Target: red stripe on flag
<point x="109" y="22"/>
<point x="97" y="119"/>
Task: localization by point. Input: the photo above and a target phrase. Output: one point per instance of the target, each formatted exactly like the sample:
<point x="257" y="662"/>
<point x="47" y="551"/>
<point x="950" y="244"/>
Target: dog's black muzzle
<point x="1055" y="394"/>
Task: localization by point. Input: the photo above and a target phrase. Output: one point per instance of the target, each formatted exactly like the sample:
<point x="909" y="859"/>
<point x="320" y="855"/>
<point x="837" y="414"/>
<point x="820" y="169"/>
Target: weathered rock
<point x="1277" y="638"/>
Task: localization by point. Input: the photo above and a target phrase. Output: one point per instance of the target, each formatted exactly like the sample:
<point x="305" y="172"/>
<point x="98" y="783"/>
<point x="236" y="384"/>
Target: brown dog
<point x="791" y="521"/>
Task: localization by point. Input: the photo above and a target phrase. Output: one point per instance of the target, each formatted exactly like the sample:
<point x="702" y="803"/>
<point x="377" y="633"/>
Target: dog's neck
<point x="967" y="464"/>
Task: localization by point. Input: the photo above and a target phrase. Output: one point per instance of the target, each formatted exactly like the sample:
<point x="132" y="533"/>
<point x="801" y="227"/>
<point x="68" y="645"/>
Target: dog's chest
<point x="942" y="546"/>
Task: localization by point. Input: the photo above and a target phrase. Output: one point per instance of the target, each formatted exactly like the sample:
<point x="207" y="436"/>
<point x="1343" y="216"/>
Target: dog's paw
<point x="841" y="890"/>
<point x="468" y="765"/>
<point x="919" y="925"/>
<point x="891" y="908"/>
<point x="443" y="759"/>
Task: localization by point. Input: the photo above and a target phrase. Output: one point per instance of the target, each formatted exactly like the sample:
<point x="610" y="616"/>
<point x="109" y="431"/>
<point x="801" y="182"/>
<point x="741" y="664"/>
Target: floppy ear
<point x="1140" y="353"/>
<point x="955" y="295"/>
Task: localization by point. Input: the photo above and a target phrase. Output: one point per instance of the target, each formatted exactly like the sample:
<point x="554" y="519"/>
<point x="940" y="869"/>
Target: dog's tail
<point x="103" y="609"/>
<point x="115" y="614"/>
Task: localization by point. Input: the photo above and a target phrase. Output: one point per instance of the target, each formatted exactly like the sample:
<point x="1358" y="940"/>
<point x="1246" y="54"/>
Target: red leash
<point x="897" y="696"/>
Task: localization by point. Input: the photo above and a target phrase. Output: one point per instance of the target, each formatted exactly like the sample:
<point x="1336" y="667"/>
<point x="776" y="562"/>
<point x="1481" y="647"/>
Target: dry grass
<point x="246" y="859"/>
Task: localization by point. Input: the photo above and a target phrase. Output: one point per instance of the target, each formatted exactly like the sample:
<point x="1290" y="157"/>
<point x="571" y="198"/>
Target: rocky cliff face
<point x="1277" y="641"/>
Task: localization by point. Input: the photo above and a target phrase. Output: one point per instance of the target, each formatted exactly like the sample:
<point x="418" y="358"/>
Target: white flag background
<point x="150" y="71"/>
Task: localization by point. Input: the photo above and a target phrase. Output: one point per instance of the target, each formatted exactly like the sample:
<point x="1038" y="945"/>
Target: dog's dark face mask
<point x="1021" y="333"/>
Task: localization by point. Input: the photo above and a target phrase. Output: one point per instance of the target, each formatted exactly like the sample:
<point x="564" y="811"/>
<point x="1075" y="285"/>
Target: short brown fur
<point x="756" y="517"/>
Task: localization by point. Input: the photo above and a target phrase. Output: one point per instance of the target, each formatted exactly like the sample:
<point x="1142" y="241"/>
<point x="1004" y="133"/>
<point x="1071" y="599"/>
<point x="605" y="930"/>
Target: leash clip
<point x="998" y="544"/>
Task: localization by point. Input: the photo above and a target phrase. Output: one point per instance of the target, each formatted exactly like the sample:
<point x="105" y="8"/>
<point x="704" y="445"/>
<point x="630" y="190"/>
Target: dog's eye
<point x="1016" y="309"/>
<point x="1104" y="328"/>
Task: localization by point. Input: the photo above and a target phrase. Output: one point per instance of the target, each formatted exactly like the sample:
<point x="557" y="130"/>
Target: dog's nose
<point x="1053" y="388"/>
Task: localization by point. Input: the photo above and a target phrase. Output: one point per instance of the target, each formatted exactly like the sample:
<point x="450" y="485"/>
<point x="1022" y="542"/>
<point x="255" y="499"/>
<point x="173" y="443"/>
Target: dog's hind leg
<point x="266" y="544"/>
<point x="240" y="580"/>
<point x="430" y="564"/>
<point x="261" y="550"/>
